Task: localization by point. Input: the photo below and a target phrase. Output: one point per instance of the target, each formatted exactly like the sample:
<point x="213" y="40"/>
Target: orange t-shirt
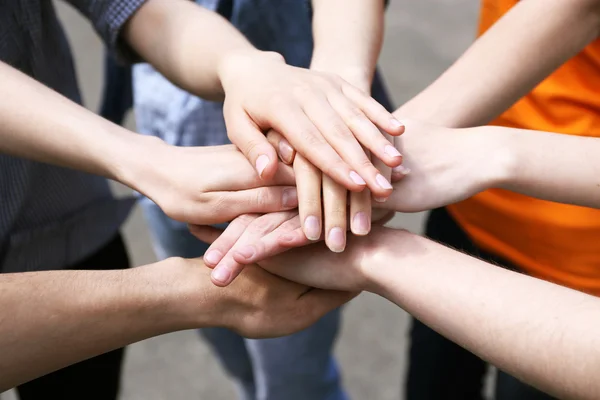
<point x="556" y="242"/>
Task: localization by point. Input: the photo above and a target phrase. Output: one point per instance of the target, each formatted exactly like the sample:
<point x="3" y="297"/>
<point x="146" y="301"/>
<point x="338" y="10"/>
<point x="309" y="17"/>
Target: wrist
<point x="390" y="252"/>
<point x="137" y="161"/>
<point x="502" y="162"/>
<point x="379" y="253"/>
<point x="358" y="76"/>
<point x="229" y="65"/>
<point x="185" y="296"/>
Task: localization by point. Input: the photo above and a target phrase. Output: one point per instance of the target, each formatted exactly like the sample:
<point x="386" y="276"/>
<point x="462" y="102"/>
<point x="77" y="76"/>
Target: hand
<point x="315" y="265"/>
<point x="252" y="238"/>
<point x="311" y="183"/>
<point x="258" y="305"/>
<point x="207" y="185"/>
<point x="323" y="117"/>
<point x="443" y="166"/>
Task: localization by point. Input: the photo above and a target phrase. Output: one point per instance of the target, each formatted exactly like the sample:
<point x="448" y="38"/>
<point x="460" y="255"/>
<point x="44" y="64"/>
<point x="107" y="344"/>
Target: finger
<point x="284" y="149"/>
<point x="385" y="170"/>
<point x="308" y="183"/>
<point x="246" y="135"/>
<point x="373" y="110"/>
<point x="270" y="244"/>
<point x="365" y="131"/>
<point x="219" y="248"/>
<point x="225" y="206"/>
<point x="341" y="138"/>
<point x="360" y="212"/>
<point x="399" y="172"/>
<point x="205" y="233"/>
<point x="228" y="268"/>
<point x="334" y="206"/>
<point x="306" y="138"/>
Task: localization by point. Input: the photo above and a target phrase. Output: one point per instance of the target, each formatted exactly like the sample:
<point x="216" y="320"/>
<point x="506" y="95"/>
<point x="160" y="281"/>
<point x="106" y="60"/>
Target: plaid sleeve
<point x="108" y="18"/>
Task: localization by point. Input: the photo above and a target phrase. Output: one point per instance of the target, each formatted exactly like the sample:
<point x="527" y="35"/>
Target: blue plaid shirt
<point x="52" y="217"/>
<point x="182" y="119"/>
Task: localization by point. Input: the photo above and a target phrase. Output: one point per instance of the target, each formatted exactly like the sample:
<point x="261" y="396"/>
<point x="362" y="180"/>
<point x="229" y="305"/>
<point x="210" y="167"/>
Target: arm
<point x="53" y="319"/>
<point x="39" y="124"/>
<point x="540" y="332"/>
<point x="201" y="52"/>
<point x="348" y="36"/>
<point x="509" y="60"/>
<point x="544" y="334"/>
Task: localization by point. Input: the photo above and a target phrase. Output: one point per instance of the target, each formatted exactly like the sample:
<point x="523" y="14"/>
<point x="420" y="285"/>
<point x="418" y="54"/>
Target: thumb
<point x="247" y="136"/>
<point x="205" y="233"/>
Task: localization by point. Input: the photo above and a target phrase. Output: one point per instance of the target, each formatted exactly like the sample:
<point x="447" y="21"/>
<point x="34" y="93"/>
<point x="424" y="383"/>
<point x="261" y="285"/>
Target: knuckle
<point x="277" y="98"/>
<point x="262" y="198"/>
<point x="365" y="163"/>
<point x="311" y="136"/>
<point x="301" y="91"/>
<point x="341" y="130"/>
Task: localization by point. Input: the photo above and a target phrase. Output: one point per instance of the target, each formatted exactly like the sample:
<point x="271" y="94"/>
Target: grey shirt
<point x="51" y="217"/>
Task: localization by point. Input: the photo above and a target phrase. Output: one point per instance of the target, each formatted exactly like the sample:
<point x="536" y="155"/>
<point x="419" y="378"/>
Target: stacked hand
<point x="431" y="176"/>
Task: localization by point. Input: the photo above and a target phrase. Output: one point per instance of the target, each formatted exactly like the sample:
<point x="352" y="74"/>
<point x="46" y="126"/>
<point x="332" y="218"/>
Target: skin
<point x="52" y="319"/>
<point x="202" y="53"/>
<point x="542" y="333"/>
<point x="348" y="37"/>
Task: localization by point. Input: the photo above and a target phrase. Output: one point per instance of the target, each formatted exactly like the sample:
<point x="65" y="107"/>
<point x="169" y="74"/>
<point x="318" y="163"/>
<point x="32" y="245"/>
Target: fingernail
<point x="312" y="227"/>
<point x="401" y="169"/>
<point x="261" y="163"/>
<point x="221" y="275"/>
<point x="290" y="198"/>
<point x="285" y="150"/>
<point x="356" y="178"/>
<point x="247" y="252"/>
<point x="213" y="257"/>
<point x="396" y="124"/>
<point x="337" y="240"/>
<point x="360" y="222"/>
<point x="392" y="151"/>
<point x="380" y="199"/>
<point x="383" y="182"/>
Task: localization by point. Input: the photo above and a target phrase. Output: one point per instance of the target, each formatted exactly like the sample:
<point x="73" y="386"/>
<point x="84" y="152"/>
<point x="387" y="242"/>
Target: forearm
<point x="542" y="333"/>
<point x="507" y="62"/>
<point x="40" y="124"/>
<point x="53" y="319"/>
<point x="348" y="36"/>
<point x="544" y="165"/>
<point x="188" y="44"/>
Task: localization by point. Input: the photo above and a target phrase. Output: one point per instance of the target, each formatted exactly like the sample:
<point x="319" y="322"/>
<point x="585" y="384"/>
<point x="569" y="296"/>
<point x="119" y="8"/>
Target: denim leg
<point x="172" y="238"/>
<point x="300" y="366"/>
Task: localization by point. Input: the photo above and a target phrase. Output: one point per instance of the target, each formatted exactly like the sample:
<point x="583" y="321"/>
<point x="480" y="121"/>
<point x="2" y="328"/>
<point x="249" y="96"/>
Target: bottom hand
<point x="257" y="305"/>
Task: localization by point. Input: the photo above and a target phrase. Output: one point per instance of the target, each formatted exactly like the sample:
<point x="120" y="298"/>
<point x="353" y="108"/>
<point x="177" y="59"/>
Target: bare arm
<point x="544" y="334"/>
<point x="188" y="44"/>
<point x="50" y="320"/>
<point x="53" y="319"/>
<point x="509" y="60"/>
<point x="348" y="36"/>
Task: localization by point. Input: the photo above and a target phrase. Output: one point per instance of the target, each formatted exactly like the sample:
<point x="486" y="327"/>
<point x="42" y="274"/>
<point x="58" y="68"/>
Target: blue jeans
<point x="295" y="367"/>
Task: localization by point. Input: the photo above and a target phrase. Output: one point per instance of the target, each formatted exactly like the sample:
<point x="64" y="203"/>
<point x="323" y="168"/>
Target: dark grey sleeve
<point x="108" y="18"/>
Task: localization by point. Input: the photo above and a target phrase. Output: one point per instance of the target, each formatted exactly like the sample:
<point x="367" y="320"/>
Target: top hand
<point x="322" y="116"/>
<point x="206" y="185"/>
